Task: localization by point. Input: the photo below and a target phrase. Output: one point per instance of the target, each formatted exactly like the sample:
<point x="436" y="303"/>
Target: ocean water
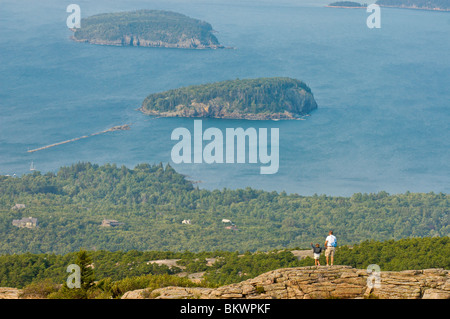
<point x="383" y="94"/>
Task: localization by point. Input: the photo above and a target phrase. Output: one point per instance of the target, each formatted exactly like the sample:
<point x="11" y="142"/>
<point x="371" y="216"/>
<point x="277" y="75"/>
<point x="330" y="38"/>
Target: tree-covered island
<point x="257" y="99"/>
<point x="147" y="28"/>
<point x="347" y="4"/>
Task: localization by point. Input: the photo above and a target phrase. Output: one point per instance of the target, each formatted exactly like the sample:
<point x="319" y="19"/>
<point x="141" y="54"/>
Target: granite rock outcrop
<point x="318" y="283"/>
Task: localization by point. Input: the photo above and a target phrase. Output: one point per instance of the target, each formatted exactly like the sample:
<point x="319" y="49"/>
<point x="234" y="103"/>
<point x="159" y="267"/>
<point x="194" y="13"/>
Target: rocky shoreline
<point x="194" y="113"/>
<point x="138" y="42"/>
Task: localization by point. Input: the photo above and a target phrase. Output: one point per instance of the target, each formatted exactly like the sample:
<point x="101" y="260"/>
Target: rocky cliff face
<point x="318" y="283"/>
<point x="186" y="43"/>
<point x="221" y="111"/>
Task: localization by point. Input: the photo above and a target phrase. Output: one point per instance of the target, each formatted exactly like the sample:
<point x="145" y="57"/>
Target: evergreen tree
<point x="86" y="269"/>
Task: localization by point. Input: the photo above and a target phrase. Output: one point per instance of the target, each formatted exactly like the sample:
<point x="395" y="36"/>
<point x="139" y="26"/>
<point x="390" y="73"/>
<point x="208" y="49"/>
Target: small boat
<point x="32" y="168"/>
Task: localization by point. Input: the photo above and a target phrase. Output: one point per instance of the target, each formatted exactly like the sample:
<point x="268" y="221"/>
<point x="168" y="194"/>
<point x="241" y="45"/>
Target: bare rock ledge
<point x="317" y="283"/>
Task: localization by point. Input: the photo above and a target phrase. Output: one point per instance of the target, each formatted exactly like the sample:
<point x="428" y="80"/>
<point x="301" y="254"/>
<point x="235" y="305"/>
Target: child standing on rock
<point x="317" y="250"/>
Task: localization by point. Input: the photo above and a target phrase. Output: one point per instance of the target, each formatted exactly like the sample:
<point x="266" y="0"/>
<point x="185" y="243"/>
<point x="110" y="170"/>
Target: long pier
<point x="112" y="129"/>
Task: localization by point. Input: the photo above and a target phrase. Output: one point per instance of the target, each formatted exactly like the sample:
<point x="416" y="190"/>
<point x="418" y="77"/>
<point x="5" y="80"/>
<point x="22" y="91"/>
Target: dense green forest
<point x="152" y="201"/>
<point x="347" y="4"/>
<point x="144" y="26"/>
<point x="113" y="273"/>
<point x="425" y="4"/>
<point x="246" y="96"/>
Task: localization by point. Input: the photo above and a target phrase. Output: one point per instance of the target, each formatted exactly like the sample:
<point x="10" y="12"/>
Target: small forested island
<point x="255" y="99"/>
<point x="436" y="5"/>
<point x="347" y="4"/>
<point x="147" y="28"/>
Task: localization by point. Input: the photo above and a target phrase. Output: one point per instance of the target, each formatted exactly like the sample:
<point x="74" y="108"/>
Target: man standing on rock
<point x="330" y="244"/>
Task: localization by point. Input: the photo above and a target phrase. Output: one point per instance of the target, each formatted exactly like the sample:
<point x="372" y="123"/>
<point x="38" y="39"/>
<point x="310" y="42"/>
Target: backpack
<point x="334" y="244"/>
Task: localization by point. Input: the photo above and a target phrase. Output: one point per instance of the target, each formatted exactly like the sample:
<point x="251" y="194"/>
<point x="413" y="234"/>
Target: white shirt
<point x="330" y="239"/>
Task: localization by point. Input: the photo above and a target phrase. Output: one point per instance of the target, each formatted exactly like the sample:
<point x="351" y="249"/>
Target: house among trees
<point x="18" y="206"/>
<point x="232" y="227"/>
<point x="186" y="221"/>
<point x="110" y="223"/>
<point x="29" y="222"/>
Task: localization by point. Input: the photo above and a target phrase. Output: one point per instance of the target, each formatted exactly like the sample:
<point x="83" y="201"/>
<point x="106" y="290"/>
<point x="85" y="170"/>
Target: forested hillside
<point x="150" y="203"/>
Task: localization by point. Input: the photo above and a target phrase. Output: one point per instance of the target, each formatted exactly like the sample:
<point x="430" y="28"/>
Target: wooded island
<point x="259" y="99"/>
<point x="147" y="28"/>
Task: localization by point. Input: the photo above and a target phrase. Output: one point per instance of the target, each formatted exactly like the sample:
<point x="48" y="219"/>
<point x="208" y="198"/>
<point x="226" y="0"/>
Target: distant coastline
<point x="428" y="5"/>
<point x="387" y="4"/>
<point x="394" y="7"/>
<point x="416" y="8"/>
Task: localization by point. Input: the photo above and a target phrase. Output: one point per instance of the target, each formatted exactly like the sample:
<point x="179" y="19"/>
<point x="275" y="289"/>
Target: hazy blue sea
<point x="383" y="94"/>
